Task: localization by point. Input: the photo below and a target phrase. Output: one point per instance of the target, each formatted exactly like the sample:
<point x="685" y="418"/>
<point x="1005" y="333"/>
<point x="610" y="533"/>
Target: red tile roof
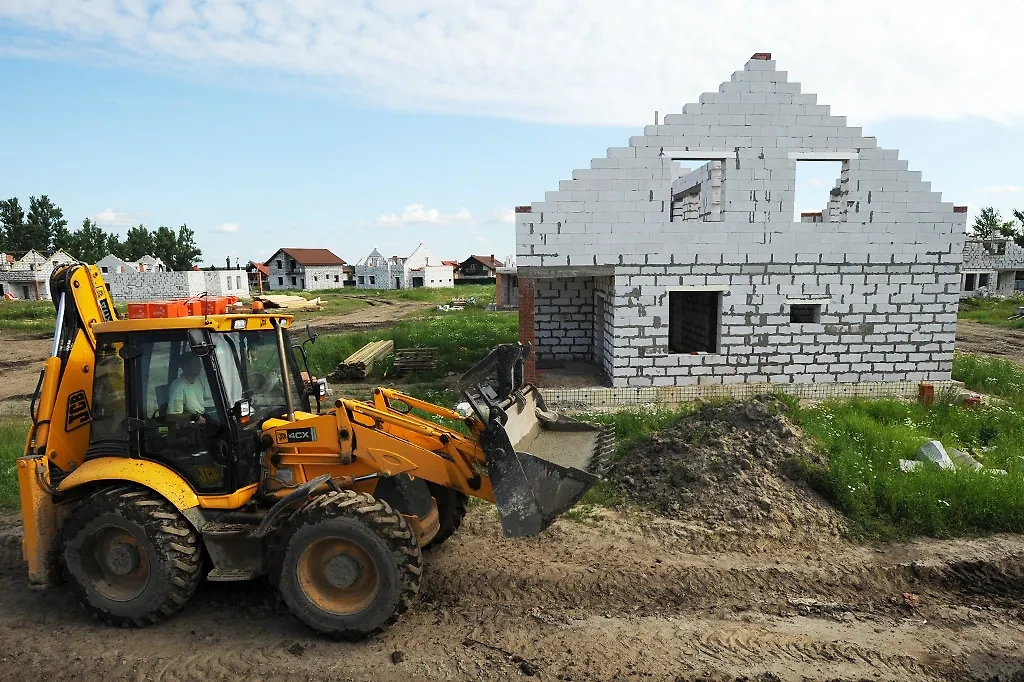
<point x="489" y="261"/>
<point x="262" y="268"/>
<point x="450" y="263"/>
<point x="312" y="256"/>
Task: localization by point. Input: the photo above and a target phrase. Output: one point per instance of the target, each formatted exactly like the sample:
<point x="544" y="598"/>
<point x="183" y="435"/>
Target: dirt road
<point x="623" y="598"/>
<point x="378" y="313"/>
<point x="986" y="339"/>
<point x="21" y="360"/>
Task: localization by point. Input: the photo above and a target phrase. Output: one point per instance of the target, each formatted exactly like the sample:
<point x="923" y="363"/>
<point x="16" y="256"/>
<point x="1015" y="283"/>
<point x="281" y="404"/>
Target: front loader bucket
<point x="538" y="462"/>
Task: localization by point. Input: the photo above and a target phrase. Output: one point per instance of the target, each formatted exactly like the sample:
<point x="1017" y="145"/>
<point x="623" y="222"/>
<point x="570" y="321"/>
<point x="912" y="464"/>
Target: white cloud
<point x="1004" y="189"/>
<point x="574" y="61"/>
<point x="108" y="217"/>
<point x="504" y="215"/>
<point x="226" y="227"/>
<point x="418" y="214"/>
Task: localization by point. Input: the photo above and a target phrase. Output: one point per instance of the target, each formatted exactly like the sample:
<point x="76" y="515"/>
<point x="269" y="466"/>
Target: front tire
<point x="130" y="557"/>
<point x="350" y="565"/>
<point x="451" y="509"/>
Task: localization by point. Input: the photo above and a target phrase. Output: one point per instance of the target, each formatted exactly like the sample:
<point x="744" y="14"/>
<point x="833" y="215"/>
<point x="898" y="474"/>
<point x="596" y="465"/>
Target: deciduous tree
<point x="43" y="220"/>
<point x="989" y="223"/>
<point x="12" y="220"/>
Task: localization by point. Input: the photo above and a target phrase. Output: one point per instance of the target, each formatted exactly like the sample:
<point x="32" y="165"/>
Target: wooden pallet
<point x="413" y="360"/>
<point x="359" y="364"/>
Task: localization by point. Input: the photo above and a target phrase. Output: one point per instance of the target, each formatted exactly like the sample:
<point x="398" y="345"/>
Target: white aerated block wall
<point x="884" y="267"/>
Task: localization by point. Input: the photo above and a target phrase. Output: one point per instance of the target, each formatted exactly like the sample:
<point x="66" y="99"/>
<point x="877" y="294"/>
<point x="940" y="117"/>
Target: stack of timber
<point x="289" y="302"/>
<point x="413" y="360"/>
<point x="359" y="364"/>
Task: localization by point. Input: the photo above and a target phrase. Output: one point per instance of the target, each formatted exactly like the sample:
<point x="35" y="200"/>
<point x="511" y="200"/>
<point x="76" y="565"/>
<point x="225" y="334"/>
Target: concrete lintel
<point x="697" y="154"/>
<point x="565" y="271"/>
<point x="699" y="287"/>
<point x="824" y="156"/>
<point x="809" y="300"/>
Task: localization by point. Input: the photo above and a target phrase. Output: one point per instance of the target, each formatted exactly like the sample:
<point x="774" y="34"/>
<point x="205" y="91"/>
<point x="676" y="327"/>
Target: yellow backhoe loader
<point x="168" y="449"/>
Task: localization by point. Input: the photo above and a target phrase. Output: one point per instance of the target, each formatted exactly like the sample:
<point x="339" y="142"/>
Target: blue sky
<point x="236" y="120"/>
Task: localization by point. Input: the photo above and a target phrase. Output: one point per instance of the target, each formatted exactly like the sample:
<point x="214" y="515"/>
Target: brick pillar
<point x="527" y="331"/>
<point x="498" y="298"/>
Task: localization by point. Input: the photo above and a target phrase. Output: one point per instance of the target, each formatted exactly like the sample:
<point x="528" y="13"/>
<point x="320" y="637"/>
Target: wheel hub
<point x="342" y="571"/>
<point x="122" y="558"/>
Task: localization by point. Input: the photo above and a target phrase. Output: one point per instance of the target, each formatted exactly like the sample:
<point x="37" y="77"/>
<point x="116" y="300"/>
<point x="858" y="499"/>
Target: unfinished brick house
<point x="663" y="275"/>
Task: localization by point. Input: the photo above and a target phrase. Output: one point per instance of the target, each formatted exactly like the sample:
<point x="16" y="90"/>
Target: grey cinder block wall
<point x="729" y="287"/>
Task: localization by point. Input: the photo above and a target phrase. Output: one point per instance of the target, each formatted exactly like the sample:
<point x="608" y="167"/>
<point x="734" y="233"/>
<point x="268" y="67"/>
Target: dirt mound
<point x="722" y="470"/>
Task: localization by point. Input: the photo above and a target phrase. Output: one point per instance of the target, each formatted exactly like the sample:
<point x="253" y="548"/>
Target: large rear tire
<point x="349" y="566"/>
<point x="451" y="509"/>
<point x="130" y="557"/>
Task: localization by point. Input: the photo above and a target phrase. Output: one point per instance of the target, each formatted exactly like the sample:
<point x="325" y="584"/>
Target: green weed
<point x="993" y="376"/>
<point x="585" y="513"/>
<point x="864" y="441"/>
<point x="633" y="426"/>
<point x="12" y="446"/>
<point x="992" y="311"/>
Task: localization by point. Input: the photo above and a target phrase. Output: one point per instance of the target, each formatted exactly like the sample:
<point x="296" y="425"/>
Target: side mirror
<point x="312" y="333"/>
<point x="199" y="342"/>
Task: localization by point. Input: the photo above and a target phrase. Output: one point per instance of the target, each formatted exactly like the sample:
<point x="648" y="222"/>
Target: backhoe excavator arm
<point x="495" y="461"/>
<point x="60" y="409"/>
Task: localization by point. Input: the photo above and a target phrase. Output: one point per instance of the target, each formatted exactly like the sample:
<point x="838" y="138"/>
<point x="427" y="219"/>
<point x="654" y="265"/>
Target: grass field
<point x="12" y="444"/>
<point x="992" y="376"/>
<point x="34" y="316"/>
<point x="992" y="311"/>
<point x="41" y="315"/>
<point x="342" y="301"/>
<point x="864" y="441"/>
<point x="27" y="315"/>
<point x="462" y="338"/>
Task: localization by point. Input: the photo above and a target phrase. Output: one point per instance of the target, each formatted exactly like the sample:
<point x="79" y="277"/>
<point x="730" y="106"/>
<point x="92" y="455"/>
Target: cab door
<point x="195" y="442"/>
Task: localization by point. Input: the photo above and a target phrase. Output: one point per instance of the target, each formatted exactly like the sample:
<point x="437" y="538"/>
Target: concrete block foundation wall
<point x="319" y="277"/>
<point x="883" y="272"/>
<point x="151" y="286"/>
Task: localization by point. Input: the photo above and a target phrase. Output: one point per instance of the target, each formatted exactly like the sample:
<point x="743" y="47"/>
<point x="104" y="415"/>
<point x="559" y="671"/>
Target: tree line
<point x="989" y="223"/>
<point x="45" y="229"/>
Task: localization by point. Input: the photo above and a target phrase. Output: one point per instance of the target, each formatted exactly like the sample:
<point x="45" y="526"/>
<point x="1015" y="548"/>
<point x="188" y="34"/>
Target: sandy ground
<point x="986" y="339"/>
<point x="621" y="598"/>
<point x="20" y="363"/>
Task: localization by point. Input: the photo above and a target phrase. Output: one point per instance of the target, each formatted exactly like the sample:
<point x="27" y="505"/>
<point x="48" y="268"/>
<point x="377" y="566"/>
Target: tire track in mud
<point x="582" y="602"/>
<point x="753" y="648"/>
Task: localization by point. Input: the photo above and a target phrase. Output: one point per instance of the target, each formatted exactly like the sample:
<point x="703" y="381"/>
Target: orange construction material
<point x="138" y="311"/>
<point x="211" y="305"/>
<point x="181" y="307"/>
<point x="164" y="309"/>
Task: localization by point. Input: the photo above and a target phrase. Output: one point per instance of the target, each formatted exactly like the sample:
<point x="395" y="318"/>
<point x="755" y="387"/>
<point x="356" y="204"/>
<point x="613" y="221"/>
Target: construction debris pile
<point x="723" y="470"/>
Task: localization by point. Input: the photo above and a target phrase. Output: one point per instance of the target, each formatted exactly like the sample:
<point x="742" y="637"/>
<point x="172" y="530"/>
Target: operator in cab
<point x="187" y="396"/>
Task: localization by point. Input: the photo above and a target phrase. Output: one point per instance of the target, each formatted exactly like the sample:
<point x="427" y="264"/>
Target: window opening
<point x="694" y="318"/>
<point x="805" y="313"/>
<point x="697" y="191"/>
<point x="819" y="196"/>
